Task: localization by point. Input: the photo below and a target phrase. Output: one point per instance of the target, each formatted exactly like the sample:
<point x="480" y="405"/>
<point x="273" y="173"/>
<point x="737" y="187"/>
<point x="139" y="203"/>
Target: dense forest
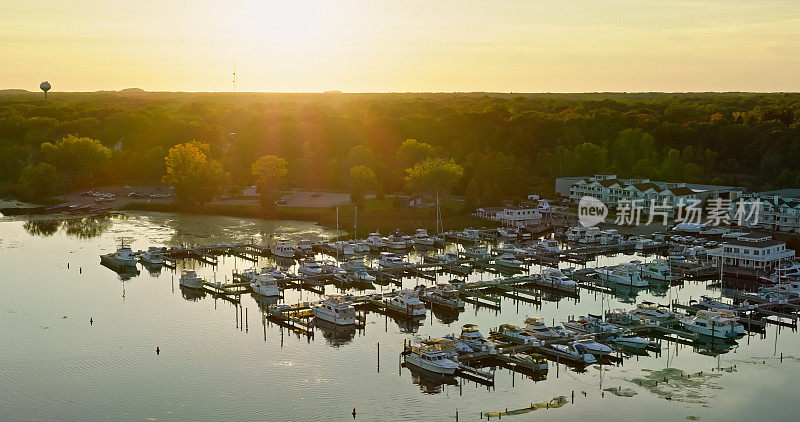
<point x="505" y="145"/>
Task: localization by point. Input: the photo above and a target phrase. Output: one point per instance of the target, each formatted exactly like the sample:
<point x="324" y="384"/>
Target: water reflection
<point x="264" y="302"/>
<point x="124" y="273"/>
<point x="82" y="227"/>
<point x="335" y="335"/>
<point x="429" y="382"/>
<point x="192" y="295"/>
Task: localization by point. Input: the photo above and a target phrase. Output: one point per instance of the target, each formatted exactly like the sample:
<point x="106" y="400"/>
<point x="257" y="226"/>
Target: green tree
<point x="362" y="179"/>
<point x="433" y="176"/>
<point x="38" y="181"/>
<point x="270" y="172"/>
<point x="472" y="196"/>
<point x="196" y="177"/>
<point x="79" y="157"/>
<point x="412" y="152"/>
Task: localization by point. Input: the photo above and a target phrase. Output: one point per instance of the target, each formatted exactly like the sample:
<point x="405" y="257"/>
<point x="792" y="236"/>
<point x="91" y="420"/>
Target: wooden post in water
<point x="246" y="320"/>
<point x="379" y="356"/>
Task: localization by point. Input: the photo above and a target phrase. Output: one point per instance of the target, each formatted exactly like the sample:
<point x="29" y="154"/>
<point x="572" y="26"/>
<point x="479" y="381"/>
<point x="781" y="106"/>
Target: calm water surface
<point x="54" y="365"/>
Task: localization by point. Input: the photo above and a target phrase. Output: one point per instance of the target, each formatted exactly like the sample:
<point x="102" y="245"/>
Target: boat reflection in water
<point x="192" y="295"/>
<point x="628" y="294"/>
<point x="429" y="382"/>
<point x="335" y="335"/>
<point x="445" y="315"/>
<point x="409" y="325"/>
<point x="710" y="346"/>
<point x="124" y="272"/>
<point x="264" y="302"/>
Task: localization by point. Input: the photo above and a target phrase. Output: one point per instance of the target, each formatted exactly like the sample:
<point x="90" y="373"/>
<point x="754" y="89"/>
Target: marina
<point x="418" y="309"/>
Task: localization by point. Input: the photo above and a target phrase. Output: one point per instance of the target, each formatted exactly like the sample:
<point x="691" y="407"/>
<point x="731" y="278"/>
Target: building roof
<point x="609" y="182"/>
<point x="760" y="244"/>
<point x="491" y="209"/>
<point x="645" y="186"/>
<point x="680" y="191"/>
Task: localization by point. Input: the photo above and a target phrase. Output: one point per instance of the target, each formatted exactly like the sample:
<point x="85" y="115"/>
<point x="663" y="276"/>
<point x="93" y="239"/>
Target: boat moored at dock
<point x="336" y="310"/>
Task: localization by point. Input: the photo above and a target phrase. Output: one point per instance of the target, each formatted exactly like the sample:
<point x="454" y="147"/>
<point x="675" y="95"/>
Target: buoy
<point x="158" y="351"/>
<point x="354" y="412"/>
<point x="90" y="321"/>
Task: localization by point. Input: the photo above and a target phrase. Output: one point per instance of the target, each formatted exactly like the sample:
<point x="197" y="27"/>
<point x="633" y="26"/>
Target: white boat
<point x="336" y="310"/>
<point x="518" y="334"/>
<point x="152" y="256"/>
<point x="477" y="254"/>
<point x="506" y="232"/>
<point x="557" y="279"/>
<point x="535" y="361"/>
<point x="330" y="267"/>
<point x="390" y="260"/>
<point x="397" y="242"/>
<point x="712" y="324"/>
<point x="650" y="310"/>
<point x="309" y="267"/>
<point x="689" y="227"/>
<point x="579" y="355"/>
<point x="354" y="264"/>
<point x="376" y="242"/>
<point x="283" y="250"/>
<point x="549" y="245"/>
<point x="343" y="248"/>
<point x="432" y="360"/>
<point x="537" y="327"/>
<point x="360" y="247"/>
<point x="274" y="273"/>
<point x="574" y="234"/>
<point x="787" y="288"/>
<point x="658" y="269"/>
<point x="630" y="339"/>
<point x="593" y="347"/>
<point x="406" y="302"/>
<point x="305" y="247"/>
<point x="190" y="280"/>
<point x="362" y="275"/>
<point x="469" y="236"/>
<point x="265" y="285"/>
<point x="624" y="274"/>
<point x="123" y="257"/>
<point x="445" y="295"/>
<point x="472" y="337"/>
<point x="592" y="235"/>
<point x="592" y="325"/>
<point x="421" y="238"/>
<point x="508" y="261"/>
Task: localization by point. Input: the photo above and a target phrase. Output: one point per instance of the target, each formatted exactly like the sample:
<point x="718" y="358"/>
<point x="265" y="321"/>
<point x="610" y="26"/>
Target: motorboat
<point x="658" y="269"/>
<point x="620" y="316"/>
<point x="305" y="247"/>
<point x="593" y="347"/>
<point x="190" y="280"/>
<point x="330" y="267"/>
<point x="472" y="337"/>
<point x="711" y="324"/>
<point x="360" y="248"/>
<point x="376" y="242"/>
<point x="265" y="285"/>
<point x="557" y="279"/>
<point x="652" y="311"/>
<point x="342" y="248"/>
<point x="788" y="288"/>
<point x="336" y="310"/>
<point x="406" y="302"/>
<point x="390" y="260"/>
<point x="443" y="294"/>
<point x="592" y="235"/>
<point x="310" y="268"/>
<point x="630" y="339"/>
<point x="506" y="232"/>
<point x="709" y="303"/>
<point x="548" y="245"/>
<point x="624" y="274"/>
<point x="592" y="325"/>
<point x="477" y="254"/>
<point x="508" y="261"/>
<point x="517" y="334"/>
<point x="574" y="234"/>
<point x="537" y="327"/>
<point x="573" y="352"/>
<point x="274" y="273"/>
<point x="421" y="238"/>
<point x="123" y="257"/>
<point x="430" y="359"/>
<point x="534" y="361"/>
<point x="152" y="257"/>
<point x="362" y="275"/>
<point x="354" y="264"/>
<point x="283" y="250"/>
<point x="397" y="242"/>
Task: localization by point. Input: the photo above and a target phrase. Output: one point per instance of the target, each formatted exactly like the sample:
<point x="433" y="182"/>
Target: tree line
<point x="486" y="147"/>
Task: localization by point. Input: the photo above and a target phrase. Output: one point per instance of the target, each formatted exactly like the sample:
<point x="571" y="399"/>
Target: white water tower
<point x="45" y="86"/>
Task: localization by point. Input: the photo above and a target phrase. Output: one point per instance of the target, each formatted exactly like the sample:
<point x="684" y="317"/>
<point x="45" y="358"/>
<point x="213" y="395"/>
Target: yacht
<point x="537" y="327"/>
<point x="430" y="359"/>
<point x="305" y="247"/>
<point x="283" y="250"/>
<point x="472" y="337"/>
<point x="123" y="257"/>
<point x="707" y="302"/>
<point x="592" y="235"/>
<point x="712" y="324"/>
<point x="376" y="242"/>
<point x="626" y="275"/>
<point x="336" y="310"/>
<point x="421" y="238"/>
<point x="508" y="261"/>
<point x="469" y="236"/>
<point x="579" y="355"/>
<point x="518" y="334"/>
<point x="444" y="295"/>
<point x="658" y="269"/>
<point x="477" y="254"/>
<point x="310" y="268"/>
<point x="190" y="280"/>
<point x="265" y="285"/>
<point x="506" y="232"/>
<point x="354" y="264"/>
<point x="406" y="302"/>
<point x="630" y="339"/>
<point x="788" y="287"/>
<point x="397" y="242"/>
<point x="574" y="234"/>
<point x="549" y="245"/>
<point x="343" y="248"/>
<point x="592" y="325"/>
<point x="362" y="275"/>
<point x="152" y="256"/>
<point x="360" y="248"/>
<point x="390" y="260"/>
<point x="557" y="279"/>
<point x="330" y="267"/>
<point x="534" y="361"/>
<point x="650" y="310"/>
<point x="593" y="347"/>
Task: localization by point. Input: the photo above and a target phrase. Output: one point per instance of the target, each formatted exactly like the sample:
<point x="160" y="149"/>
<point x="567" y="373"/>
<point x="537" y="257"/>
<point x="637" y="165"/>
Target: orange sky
<point x="402" y="45"/>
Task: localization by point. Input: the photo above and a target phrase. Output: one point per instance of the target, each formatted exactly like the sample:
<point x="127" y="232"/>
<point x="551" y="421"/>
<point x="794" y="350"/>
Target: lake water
<point x="54" y="365"/>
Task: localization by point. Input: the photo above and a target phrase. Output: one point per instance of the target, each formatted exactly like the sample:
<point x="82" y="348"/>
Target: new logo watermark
<point x="591" y="211"/>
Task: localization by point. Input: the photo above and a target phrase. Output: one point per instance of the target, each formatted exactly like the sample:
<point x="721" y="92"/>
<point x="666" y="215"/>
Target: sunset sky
<point x="402" y="45"/>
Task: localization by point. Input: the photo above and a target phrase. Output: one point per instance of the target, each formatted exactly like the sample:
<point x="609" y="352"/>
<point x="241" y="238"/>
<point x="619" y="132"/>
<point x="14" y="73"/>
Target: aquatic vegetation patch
<point x="620" y="391"/>
<point x="675" y="384"/>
